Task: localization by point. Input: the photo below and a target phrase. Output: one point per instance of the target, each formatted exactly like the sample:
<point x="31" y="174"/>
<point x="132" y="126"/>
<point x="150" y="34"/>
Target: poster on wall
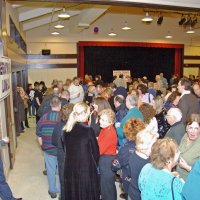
<point x="126" y="73"/>
<point x="5" y="77"/>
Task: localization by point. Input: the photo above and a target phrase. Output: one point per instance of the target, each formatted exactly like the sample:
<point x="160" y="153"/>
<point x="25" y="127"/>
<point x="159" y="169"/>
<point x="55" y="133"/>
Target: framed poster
<point x="5" y="77"/>
<point x="126" y="73"/>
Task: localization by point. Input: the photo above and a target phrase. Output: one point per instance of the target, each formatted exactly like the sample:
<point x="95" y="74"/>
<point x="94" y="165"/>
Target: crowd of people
<point x="143" y="134"/>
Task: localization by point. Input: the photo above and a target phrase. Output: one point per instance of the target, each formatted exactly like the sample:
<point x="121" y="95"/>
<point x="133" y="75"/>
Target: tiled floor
<point x="26" y="179"/>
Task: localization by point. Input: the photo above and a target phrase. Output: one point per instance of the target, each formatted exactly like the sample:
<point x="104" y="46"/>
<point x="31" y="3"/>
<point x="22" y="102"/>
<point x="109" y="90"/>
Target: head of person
<point x="158" y="104"/>
<point x="118" y="100"/>
<point x="80" y="113"/>
<point x="142" y="89"/>
<point x="36" y="85"/>
<point x="42" y="83"/>
<point x="56" y="92"/>
<point x="131" y="101"/>
<point x="55" y="103"/>
<point x="144" y="140"/>
<point x="164" y="154"/>
<point x="174" y="98"/>
<point x="99" y="89"/>
<point x="150" y="85"/>
<point x="66" y="111"/>
<point x="100" y="103"/>
<point x="112" y="86"/>
<point x="60" y="86"/>
<point x="29" y="86"/>
<point x="196" y="89"/>
<point x="184" y="84"/>
<point x="106" y="118"/>
<point x="173" y="115"/>
<point x="121" y="76"/>
<point x="97" y="77"/>
<point x="193" y="127"/>
<point x="107" y="93"/>
<point x="65" y="94"/>
<point x="92" y="89"/>
<point x="76" y="81"/>
<point x="132" y="127"/>
<point x="148" y="112"/>
<point x="157" y="78"/>
<point x="54" y="83"/>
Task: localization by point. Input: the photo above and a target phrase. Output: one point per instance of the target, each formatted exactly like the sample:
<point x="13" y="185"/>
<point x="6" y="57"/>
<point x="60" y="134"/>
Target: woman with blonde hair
<point x="156" y="180"/>
<point x="144" y="140"/>
<point x="81" y="156"/>
<point x="107" y="141"/>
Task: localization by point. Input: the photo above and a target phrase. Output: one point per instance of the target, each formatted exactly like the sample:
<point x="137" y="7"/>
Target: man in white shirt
<point x="76" y="91"/>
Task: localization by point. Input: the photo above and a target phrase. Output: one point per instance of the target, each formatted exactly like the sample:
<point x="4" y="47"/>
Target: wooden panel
<point x="53" y="56"/>
<point x="41" y="66"/>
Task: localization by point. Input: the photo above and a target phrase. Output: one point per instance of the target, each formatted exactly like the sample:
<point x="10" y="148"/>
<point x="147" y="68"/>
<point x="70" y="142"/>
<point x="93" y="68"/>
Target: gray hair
<point x="133" y="99"/>
<point x="175" y="112"/>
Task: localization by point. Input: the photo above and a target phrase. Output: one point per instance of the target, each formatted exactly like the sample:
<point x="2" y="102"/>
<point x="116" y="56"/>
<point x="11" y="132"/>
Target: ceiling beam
<point x="35" y="12"/>
<point x="37" y="22"/>
<point x="184" y="5"/>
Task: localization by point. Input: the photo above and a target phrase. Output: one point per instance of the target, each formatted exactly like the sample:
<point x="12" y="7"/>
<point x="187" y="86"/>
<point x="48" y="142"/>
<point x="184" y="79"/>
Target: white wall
<point x="47" y="75"/>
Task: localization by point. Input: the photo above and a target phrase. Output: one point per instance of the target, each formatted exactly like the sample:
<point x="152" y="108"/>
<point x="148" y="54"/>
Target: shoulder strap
<point x="172" y="189"/>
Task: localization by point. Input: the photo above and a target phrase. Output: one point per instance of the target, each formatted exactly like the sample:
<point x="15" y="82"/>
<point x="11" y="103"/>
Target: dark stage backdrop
<point x="141" y="61"/>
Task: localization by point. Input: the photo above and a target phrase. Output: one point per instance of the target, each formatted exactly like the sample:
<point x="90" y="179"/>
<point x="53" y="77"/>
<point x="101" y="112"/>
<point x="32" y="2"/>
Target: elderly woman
<point x="190" y="145"/>
<point x="144" y="141"/>
<point x="133" y="111"/>
<point x="107" y="141"/>
<point x="156" y="181"/>
<point x="131" y="128"/>
<point x="177" y="129"/>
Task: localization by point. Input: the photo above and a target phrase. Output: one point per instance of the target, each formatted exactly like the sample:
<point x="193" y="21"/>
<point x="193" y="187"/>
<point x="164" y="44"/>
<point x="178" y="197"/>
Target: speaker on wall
<point x="46" y="51"/>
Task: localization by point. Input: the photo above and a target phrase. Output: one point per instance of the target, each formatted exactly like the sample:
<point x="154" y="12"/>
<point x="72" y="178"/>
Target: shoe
<point x="28" y="126"/>
<point x="17" y="198"/>
<point x="45" y="172"/>
<point x="52" y="194"/>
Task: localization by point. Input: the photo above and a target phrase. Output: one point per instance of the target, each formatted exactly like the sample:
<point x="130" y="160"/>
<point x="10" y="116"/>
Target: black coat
<point x="81" y="157"/>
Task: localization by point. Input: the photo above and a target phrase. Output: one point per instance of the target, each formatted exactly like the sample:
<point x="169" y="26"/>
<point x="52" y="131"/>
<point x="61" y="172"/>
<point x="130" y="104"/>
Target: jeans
<point x="31" y="108"/>
<point x="5" y="191"/>
<point x="107" y="178"/>
<point x="52" y="169"/>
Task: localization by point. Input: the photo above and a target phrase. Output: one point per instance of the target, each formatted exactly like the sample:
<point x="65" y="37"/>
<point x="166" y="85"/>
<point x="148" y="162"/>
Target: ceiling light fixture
<point x="168" y="36"/>
<point x="55" y="33"/>
<point x="126" y="27"/>
<point x="59" y="26"/>
<point x="112" y="33"/>
<point x="190" y="30"/>
<point x="64" y="15"/>
<point x="147" y="18"/>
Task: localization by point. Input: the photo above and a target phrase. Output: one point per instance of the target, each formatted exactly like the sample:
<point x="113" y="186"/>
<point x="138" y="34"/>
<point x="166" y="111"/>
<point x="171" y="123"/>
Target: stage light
<point x="160" y="20"/>
<point x="182" y="21"/>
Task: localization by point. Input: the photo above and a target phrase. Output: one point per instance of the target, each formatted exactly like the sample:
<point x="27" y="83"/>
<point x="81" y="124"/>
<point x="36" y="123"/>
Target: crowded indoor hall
<point x="99" y="100"/>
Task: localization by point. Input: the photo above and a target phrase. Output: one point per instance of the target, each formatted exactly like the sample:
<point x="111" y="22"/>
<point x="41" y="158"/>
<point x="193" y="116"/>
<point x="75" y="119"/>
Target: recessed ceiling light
<point x="168" y="36"/>
<point x="126" y="27"/>
<point x="112" y="34"/>
<point x="190" y="30"/>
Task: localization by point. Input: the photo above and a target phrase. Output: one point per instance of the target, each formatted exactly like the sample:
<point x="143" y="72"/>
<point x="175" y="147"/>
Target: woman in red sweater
<point x="107" y="146"/>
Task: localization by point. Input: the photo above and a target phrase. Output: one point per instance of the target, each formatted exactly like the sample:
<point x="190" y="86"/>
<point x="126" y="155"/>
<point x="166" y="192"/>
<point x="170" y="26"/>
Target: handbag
<point x="172" y="189"/>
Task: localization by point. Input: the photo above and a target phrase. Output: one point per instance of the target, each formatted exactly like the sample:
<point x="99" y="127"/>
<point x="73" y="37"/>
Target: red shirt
<point x="107" y="141"/>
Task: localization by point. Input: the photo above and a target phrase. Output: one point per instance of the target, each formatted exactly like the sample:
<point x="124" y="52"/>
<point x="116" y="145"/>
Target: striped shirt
<point x="44" y="129"/>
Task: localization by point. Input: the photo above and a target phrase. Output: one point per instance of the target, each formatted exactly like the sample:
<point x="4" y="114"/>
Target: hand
<point x="5" y="139"/>
<point x="117" y="124"/>
<point x="78" y="95"/>
<point x="183" y="164"/>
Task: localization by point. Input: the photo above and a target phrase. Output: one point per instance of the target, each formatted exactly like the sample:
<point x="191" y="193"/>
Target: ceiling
<point x="35" y="15"/>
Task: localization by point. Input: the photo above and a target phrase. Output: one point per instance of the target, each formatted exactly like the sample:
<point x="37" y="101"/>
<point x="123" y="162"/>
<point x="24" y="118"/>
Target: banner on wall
<point x="5" y="77"/>
<point x="126" y="73"/>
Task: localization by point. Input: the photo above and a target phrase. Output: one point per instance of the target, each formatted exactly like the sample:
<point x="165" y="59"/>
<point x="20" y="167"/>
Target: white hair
<point x="175" y="112"/>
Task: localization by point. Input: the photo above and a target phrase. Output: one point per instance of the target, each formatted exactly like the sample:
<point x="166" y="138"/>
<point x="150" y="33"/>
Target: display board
<point x="126" y="73"/>
<point x="5" y="77"/>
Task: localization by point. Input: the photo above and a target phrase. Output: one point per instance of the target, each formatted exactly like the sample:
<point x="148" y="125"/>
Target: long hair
<point x="80" y="113"/>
